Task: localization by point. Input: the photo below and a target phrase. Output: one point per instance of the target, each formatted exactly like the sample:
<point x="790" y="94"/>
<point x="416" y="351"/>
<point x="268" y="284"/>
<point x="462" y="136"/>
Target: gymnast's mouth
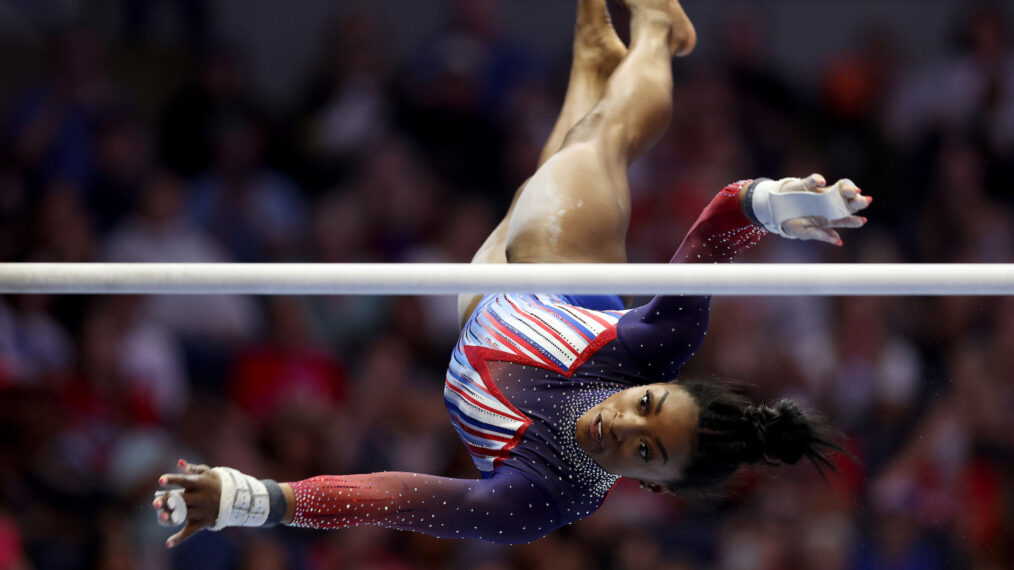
<point x="595" y="432"/>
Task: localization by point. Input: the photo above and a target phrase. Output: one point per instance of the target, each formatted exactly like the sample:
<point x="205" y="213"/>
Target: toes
<point x="684" y="33"/>
<point x="597" y="47"/>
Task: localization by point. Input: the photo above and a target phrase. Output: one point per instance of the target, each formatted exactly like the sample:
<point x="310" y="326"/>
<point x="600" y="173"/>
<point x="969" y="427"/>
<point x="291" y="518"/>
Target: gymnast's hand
<point x="807" y="208"/>
<point x="196" y="504"/>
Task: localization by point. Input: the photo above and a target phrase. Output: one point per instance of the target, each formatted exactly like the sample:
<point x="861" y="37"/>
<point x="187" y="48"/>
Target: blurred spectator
<point x="12" y="550"/>
<point x="160" y="232"/>
<point x="395" y="428"/>
<point x="469" y="223"/>
<point x="347" y="108"/>
<point x="747" y="545"/>
<point x="255" y="211"/>
<point x="14" y="204"/>
<point x="192" y="19"/>
<point x="193" y="115"/>
<point x="970" y="91"/>
<point x="63" y="228"/>
<point x="454" y="93"/>
<point x="34" y="347"/>
<point x="340" y="231"/>
<point x="49" y="127"/>
<point x="896" y="542"/>
<point x="123" y="159"/>
<point x="764" y="102"/>
<point x="877" y="377"/>
<point x="287" y="371"/>
<point x="130" y="356"/>
<point x="402" y="196"/>
<point x="827" y="542"/>
<point x="961" y="222"/>
<point x="853" y="90"/>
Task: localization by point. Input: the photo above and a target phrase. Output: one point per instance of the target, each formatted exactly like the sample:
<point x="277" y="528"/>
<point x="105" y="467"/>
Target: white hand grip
<point x="773" y="206"/>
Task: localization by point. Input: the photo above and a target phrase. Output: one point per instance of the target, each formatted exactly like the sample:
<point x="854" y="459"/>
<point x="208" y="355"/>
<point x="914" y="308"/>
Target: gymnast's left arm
<point x="663" y="334"/>
<point x="794" y="208"/>
<point x="506" y="507"/>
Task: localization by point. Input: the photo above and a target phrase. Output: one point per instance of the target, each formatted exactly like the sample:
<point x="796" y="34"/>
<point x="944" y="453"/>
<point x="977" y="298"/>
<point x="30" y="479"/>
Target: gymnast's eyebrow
<point x="660" y="400"/>
<point x="661" y="448"/>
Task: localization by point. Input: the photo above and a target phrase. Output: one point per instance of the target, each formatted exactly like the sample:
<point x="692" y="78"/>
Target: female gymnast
<point x="556" y="397"/>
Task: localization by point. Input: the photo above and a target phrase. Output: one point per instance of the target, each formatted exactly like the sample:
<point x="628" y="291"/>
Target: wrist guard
<point x="245" y="501"/>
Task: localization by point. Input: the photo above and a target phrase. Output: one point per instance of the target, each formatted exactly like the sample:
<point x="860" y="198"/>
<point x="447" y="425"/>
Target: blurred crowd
<point x="113" y="150"/>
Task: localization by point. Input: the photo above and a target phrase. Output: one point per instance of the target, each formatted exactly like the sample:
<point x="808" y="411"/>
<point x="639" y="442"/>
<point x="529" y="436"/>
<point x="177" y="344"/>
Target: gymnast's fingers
<point x="853" y="195"/>
<point x="813" y="228"/>
<point x="192" y="468"/>
<point x="200" y="497"/>
<point x="165" y="518"/>
<point x="821" y="234"/>
<point x="849" y="190"/>
<point x="189" y="530"/>
<point x="188" y="482"/>
<point x="849" y="222"/>
<point x="858" y="203"/>
<point x="814" y="183"/>
<point x="161" y="507"/>
<point x="170" y="507"/>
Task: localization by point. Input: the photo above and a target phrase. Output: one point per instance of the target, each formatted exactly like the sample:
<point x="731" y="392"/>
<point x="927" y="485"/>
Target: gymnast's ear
<point x="656" y="488"/>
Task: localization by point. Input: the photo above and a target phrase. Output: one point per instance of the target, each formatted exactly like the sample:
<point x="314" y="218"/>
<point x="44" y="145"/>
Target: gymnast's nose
<point x="624" y="427"/>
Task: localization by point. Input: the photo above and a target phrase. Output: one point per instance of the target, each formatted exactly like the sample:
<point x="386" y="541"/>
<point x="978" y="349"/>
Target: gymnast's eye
<point x="645" y="451"/>
<point x="645" y="401"/>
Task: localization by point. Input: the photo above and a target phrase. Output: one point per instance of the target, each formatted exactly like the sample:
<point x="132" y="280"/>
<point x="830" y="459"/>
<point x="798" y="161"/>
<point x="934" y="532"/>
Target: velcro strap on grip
<point x="244" y="500"/>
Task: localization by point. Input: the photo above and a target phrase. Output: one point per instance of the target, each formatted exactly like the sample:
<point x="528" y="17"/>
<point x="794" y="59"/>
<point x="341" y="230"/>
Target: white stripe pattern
<point x="538" y="330"/>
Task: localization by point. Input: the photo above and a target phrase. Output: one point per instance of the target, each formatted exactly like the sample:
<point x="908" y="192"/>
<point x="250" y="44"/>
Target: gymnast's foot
<point x="597" y="47"/>
<point x="684" y="37"/>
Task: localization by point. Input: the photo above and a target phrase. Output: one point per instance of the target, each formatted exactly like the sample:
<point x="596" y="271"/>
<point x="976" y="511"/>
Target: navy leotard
<point x="525" y="368"/>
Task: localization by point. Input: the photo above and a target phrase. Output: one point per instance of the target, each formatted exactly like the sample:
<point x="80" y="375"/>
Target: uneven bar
<point x="440" y="279"/>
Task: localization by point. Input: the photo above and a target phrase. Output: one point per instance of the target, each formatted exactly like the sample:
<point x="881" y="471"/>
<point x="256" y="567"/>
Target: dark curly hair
<point x="733" y="431"/>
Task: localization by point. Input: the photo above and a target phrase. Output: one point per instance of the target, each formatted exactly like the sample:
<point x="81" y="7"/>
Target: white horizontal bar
<point x="438" y="279"/>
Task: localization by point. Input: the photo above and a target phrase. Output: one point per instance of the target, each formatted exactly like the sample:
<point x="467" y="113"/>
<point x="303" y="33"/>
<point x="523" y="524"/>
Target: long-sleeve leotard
<point x="720" y="233"/>
<point x="524" y="369"/>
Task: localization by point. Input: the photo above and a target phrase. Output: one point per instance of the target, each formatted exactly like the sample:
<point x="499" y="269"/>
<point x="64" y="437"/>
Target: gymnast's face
<point x="644" y="433"/>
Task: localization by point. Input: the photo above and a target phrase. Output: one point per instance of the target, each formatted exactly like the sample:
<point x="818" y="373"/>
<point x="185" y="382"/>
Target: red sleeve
<point x="505" y="508"/>
<point x="662" y="335"/>
<point x="721" y="232"/>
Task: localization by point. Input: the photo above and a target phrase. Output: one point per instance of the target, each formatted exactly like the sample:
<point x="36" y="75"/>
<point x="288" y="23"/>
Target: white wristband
<point x="773" y="206"/>
<point x="244" y="500"/>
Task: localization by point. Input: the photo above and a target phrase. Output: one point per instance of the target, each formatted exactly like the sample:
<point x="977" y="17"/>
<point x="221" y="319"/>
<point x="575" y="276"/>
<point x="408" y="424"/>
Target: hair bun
<point x="732" y="431"/>
<point x="784" y="433"/>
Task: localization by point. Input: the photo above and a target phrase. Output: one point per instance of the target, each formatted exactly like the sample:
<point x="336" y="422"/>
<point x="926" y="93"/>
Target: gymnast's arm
<point x="663" y="334"/>
<point x="506" y="507"/>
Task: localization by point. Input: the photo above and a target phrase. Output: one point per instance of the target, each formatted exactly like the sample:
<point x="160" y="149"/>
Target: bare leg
<point x="597" y="53"/>
<point x="577" y="205"/>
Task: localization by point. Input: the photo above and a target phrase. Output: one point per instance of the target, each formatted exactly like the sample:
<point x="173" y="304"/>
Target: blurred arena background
<point x="397" y="130"/>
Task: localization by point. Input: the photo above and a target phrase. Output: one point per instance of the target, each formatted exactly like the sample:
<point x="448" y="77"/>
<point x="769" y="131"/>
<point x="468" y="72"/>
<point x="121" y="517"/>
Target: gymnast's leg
<point x="576" y="207"/>
<point x="597" y="53"/>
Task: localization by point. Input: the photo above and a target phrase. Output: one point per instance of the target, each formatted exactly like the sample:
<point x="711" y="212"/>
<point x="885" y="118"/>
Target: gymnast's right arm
<point x="505" y="508"/>
<point x="663" y="334"/>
